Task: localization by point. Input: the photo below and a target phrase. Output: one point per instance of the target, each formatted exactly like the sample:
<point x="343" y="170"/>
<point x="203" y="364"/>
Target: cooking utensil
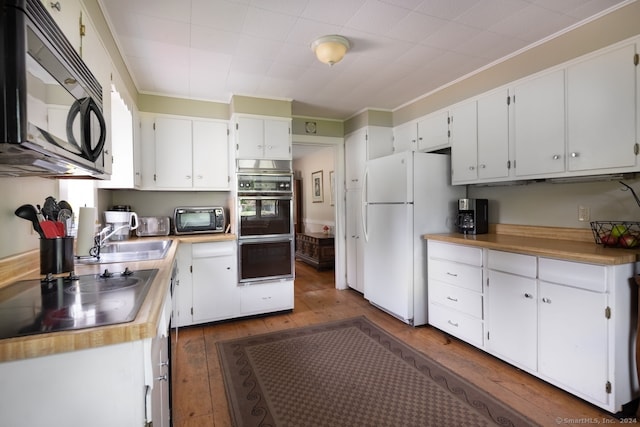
<point x="30" y="213"/>
<point x="49" y="229"/>
<point x="63" y="221"/>
<point x="50" y="209"/>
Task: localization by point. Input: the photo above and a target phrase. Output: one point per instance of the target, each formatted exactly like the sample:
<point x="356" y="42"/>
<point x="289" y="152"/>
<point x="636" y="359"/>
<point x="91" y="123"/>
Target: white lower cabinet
<point x="266" y="297"/>
<point x="511" y="308"/>
<point x="569" y="323"/>
<point x="456" y="291"/>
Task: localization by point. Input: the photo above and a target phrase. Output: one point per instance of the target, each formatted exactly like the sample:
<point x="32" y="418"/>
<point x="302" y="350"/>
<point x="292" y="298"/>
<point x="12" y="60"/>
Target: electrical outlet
<point x="583" y="213"/>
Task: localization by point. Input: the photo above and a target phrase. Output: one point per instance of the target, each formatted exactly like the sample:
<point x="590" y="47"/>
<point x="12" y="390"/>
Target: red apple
<point x="609" y="240"/>
<point x="628" y="241"/>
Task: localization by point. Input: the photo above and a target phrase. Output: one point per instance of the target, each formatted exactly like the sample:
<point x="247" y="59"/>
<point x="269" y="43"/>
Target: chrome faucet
<point x="100" y="239"/>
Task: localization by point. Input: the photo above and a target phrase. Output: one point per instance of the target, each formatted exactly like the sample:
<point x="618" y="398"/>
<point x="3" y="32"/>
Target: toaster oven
<point x="196" y="220"/>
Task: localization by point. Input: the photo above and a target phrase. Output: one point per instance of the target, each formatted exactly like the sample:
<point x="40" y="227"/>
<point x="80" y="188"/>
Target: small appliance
<point x="473" y="216"/>
<point x="153" y="226"/>
<point x="197" y="220"/>
<point x="120" y="223"/>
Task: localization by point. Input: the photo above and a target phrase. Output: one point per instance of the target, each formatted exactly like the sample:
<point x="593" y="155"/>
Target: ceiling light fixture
<point x="330" y="49"/>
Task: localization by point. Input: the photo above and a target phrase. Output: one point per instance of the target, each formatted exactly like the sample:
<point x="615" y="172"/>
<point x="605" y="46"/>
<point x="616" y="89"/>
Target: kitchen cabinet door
<point x="539" y="109"/>
<point x="355" y="152"/>
<point x="355" y="240"/>
<point x="512" y="318"/>
<point x="67" y="14"/>
<point x="601" y="106"/>
<point x="464" y="143"/>
<point x="174" y="153"/>
<point x="379" y="141"/>
<point x="433" y="131"/>
<point x="493" y="136"/>
<point x="573" y="339"/>
<point x="277" y="139"/>
<point x="405" y="137"/>
<point x="215" y="281"/>
<point x="259" y="138"/>
<point x="210" y="155"/>
<point x="183" y="292"/>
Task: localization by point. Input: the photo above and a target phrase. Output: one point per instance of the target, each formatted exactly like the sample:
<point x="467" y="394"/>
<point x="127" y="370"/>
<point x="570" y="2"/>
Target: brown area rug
<point x="348" y="373"/>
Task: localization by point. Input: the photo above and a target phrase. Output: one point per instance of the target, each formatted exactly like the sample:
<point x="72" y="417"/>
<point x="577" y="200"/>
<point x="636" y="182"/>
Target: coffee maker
<point x="473" y="216"/>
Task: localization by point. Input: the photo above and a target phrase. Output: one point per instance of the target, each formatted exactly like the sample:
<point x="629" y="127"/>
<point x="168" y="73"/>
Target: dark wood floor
<point x="198" y="391"/>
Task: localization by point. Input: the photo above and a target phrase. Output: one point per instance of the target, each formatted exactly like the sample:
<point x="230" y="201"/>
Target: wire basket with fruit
<point x="616" y="234"/>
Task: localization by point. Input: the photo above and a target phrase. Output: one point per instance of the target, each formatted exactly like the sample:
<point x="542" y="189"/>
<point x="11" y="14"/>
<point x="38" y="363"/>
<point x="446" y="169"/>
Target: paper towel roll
<point x="86" y="231"/>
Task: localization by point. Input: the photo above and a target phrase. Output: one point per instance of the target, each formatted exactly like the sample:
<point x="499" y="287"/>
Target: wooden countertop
<point x="551" y="242"/>
<point x="143" y="326"/>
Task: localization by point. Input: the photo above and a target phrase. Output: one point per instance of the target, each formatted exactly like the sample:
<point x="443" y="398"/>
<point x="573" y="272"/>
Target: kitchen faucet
<point x="101" y="238"/>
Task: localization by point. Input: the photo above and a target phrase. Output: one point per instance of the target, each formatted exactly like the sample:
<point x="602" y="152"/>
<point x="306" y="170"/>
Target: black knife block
<point x="56" y="255"/>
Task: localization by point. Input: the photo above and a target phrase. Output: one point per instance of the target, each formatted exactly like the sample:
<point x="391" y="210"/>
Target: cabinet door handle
<point x="188" y="177"/>
<point x="483" y="166"/>
<point x="452" y="274"/>
<point x="165" y="363"/>
<point x="472" y="168"/>
<point x="162" y="378"/>
<point x="546" y="300"/>
<point x="556" y="157"/>
<point x="528" y="295"/>
<point x="452" y="299"/>
<point x="452" y="324"/>
<point x="575" y="154"/>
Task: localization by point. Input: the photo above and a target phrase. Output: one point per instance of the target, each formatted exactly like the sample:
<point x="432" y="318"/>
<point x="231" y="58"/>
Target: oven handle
<point x="284" y="238"/>
<point x="265" y="197"/>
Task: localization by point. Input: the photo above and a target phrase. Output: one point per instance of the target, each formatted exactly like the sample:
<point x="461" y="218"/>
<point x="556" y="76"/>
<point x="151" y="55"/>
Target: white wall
<point x="556" y="205"/>
<point x="316" y="215"/>
<point x="17" y="234"/>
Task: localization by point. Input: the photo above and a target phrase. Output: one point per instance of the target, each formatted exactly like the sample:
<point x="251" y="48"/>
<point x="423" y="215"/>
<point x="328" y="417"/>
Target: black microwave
<point x="195" y="220"/>
<point x="51" y="118"/>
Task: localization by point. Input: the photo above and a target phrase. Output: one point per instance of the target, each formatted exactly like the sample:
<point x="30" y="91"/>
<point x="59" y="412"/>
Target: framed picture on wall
<point x="316" y="187"/>
<point x="332" y="188"/>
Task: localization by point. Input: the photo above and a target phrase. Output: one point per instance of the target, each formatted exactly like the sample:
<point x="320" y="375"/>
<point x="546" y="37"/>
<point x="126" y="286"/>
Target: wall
<point x="17" y="233"/>
<point x="316" y="215"/>
<point x="551" y="204"/>
<point x="162" y="203"/>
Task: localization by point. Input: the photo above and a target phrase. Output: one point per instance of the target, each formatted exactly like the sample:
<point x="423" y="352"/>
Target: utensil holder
<point x="56" y="255"/>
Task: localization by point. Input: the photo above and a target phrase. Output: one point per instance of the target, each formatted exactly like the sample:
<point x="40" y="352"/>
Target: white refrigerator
<point x="405" y="196"/>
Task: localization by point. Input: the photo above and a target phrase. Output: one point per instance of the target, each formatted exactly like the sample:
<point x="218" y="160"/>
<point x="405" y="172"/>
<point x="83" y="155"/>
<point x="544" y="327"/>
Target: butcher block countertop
<point x="569" y="244"/>
<point x="145" y="325"/>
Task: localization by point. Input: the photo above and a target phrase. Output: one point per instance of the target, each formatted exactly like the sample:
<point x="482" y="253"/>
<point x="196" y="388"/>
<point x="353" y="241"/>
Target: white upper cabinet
<point x="67" y="15"/>
<point x="263" y="138"/>
<point x="405" y="137"/>
<point x="464" y="142"/>
<point x="190" y="154"/>
<point x="540" y="125"/>
<point x="493" y="135"/>
<point x="601" y="111"/>
<point x="433" y="131"/>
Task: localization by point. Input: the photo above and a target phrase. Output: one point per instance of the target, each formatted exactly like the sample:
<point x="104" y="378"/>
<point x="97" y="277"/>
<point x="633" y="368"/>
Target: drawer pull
<point x="451" y="274"/>
<point x="162" y="378"/>
<point x="452" y="299"/>
<point x="452" y="324"/>
<point x="266" y="298"/>
<point x="528" y="295"/>
<point x="546" y="300"/>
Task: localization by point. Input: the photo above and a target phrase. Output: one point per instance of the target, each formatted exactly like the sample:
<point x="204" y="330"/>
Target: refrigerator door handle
<point x="363" y="210"/>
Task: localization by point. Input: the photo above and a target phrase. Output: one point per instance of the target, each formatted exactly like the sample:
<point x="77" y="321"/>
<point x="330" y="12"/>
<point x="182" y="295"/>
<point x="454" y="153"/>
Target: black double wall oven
<point x="265" y="227"/>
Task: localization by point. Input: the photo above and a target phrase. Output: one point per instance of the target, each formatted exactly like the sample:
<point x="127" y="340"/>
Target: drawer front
<point x="576" y="274"/>
<point x="508" y="262"/>
<point x="456" y="298"/>
<point x="462" y="275"/>
<point x="266" y="297"/>
<point x="451" y="252"/>
<point x="457" y="324"/>
<point x="213" y="249"/>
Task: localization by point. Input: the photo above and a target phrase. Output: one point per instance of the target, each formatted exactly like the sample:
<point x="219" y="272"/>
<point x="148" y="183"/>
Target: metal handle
<point x="556" y="156"/>
<point x="528" y="295"/>
<point x="162" y="378"/>
<point x="546" y="300"/>
<point x="483" y="166"/>
<point x="575" y="154"/>
<point x="364" y="204"/>
<point x="452" y="324"/>
<point x="452" y="299"/>
<point x="165" y="363"/>
<point x="472" y="168"/>
<point x="452" y="274"/>
<point x="188" y="177"/>
<point x="55" y="6"/>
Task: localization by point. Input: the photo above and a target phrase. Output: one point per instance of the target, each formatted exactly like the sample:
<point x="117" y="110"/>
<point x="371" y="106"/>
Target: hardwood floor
<point x="198" y="391"/>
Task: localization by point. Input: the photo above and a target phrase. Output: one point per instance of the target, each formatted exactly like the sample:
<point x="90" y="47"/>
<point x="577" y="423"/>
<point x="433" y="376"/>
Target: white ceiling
<point x="401" y="49"/>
